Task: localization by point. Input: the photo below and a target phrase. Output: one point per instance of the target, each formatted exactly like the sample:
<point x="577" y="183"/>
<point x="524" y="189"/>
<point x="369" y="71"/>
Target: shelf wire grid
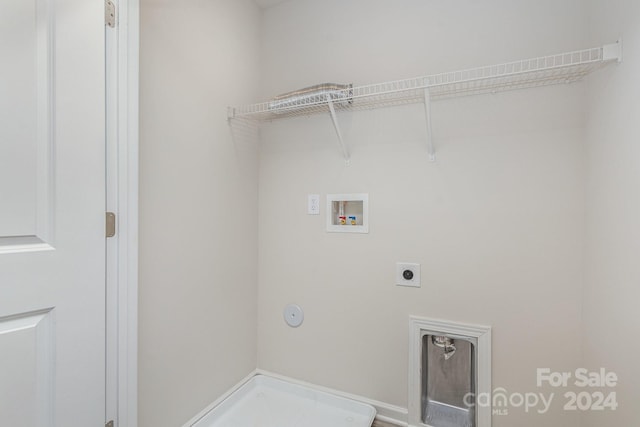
<point x="543" y="71"/>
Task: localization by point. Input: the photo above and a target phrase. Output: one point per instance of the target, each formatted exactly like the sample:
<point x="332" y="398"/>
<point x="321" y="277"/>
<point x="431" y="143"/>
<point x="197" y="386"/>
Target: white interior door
<point x="52" y="204"/>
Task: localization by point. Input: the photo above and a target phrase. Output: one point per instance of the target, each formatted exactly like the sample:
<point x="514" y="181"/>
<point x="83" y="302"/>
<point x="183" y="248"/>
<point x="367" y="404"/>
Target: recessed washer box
<point x="348" y="213"/>
<point x="269" y="402"/>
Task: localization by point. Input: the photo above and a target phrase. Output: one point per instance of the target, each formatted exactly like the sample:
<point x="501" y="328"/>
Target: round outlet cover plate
<point x="293" y="315"/>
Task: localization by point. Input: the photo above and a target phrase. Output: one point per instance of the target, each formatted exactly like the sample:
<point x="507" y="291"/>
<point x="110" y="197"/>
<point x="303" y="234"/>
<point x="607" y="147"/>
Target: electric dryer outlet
<point x="408" y="274"/>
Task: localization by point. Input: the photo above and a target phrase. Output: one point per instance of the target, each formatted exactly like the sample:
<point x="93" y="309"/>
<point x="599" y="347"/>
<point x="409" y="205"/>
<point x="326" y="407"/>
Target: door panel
<point x="26" y="345"/>
<point x="19" y="108"/>
<point x="26" y="183"/>
<point x="52" y="204"/>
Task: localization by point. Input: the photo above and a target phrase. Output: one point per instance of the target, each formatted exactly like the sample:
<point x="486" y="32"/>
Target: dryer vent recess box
<point x="348" y="213"/>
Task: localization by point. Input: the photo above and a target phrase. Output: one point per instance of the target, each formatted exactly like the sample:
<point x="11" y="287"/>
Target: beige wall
<point x="612" y="290"/>
<point x="497" y="223"/>
<point x="198" y="257"/>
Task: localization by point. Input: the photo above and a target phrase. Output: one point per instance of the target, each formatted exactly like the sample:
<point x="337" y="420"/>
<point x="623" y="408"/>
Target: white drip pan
<point x="268" y="402"/>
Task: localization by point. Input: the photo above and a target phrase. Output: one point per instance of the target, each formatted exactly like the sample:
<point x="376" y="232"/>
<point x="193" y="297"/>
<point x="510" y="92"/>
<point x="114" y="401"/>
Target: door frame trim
<point x="122" y="188"/>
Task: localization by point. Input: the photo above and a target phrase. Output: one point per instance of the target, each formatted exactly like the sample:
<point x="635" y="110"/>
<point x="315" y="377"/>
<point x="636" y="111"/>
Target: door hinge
<point x="111" y="224"/>
<point x="110" y="13"/>
<point x="109" y="424"/>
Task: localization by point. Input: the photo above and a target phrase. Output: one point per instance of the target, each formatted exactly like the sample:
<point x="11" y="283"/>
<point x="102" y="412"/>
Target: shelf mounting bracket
<point x="334" y="118"/>
<point x="427" y="112"/>
<point x="612" y="51"/>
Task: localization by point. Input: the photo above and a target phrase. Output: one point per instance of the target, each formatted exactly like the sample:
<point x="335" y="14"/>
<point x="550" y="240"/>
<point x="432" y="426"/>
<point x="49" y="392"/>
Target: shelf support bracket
<point x="427" y="111"/>
<point x="334" y="118"/>
<point x="612" y="51"/>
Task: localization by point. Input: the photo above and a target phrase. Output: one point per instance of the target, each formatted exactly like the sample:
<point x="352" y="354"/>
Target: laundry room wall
<point x="497" y="222"/>
<point x="198" y="205"/>
<point x="612" y="286"/>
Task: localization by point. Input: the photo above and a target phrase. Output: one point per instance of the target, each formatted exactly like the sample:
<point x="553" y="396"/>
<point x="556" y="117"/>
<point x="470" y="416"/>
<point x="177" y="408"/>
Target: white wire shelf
<point x="543" y="71"/>
<point x="548" y="70"/>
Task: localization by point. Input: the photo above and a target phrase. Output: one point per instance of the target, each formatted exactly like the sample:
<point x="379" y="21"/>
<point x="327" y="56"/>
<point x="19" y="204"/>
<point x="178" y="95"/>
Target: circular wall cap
<point x="293" y="315"/>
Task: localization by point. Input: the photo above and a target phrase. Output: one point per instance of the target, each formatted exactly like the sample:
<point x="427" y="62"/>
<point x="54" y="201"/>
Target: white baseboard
<point x="386" y="413"/>
<point x="389" y="421"/>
